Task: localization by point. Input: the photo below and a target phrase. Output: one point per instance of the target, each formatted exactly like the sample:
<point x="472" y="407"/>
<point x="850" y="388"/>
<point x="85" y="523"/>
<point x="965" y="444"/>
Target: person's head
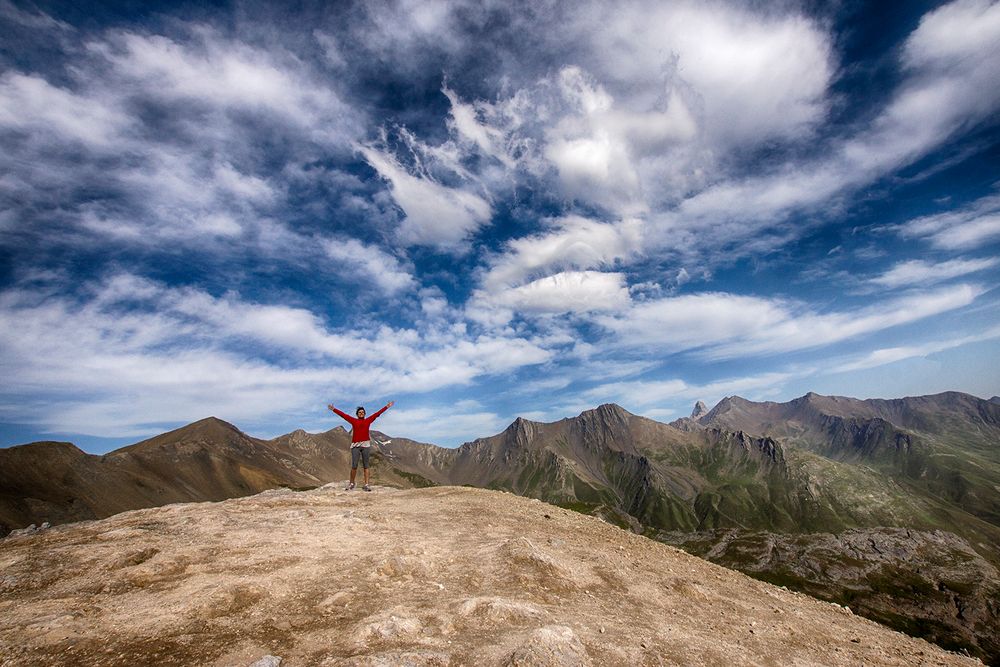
<point x="360" y="412"/>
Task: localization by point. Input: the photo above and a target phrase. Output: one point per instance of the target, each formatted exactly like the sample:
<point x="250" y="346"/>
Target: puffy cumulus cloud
<point x="969" y="227"/>
<point x="106" y="363"/>
<point x="570" y="242"/>
<point x="916" y="271"/>
<point x="757" y="75"/>
<point x="724" y="326"/>
<point x="373" y="263"/>
<point x="436" y="215"/>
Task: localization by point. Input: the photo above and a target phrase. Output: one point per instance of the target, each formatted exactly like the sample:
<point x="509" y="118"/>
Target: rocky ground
<point x="436" y="576"/>
<point x="930" y="584"/>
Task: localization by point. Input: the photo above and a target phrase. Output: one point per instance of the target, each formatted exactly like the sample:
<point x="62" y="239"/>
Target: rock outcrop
<point x="930" y="582"/>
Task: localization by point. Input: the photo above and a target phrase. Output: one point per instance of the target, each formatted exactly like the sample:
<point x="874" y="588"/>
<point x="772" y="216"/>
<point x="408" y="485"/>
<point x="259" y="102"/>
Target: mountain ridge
<point x="774" y="472"/>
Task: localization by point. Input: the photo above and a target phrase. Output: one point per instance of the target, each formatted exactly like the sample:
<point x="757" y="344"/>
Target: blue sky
<point x="489" y="209"/>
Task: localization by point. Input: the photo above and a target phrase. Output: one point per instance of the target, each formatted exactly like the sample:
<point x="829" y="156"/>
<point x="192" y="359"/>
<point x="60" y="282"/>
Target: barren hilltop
<point x="433" y="576"/>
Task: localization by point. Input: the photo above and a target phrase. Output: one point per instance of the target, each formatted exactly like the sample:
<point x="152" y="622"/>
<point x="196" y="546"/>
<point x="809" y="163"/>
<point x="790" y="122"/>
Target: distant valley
<point x="890" y="506"/>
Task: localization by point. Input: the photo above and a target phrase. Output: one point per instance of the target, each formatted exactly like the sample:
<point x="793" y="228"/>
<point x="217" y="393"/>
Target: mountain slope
<point x="945" y="447"/>
<point x="754" y="475"/>
<point x="443" y="576"/>
<point x="207" y="460"/>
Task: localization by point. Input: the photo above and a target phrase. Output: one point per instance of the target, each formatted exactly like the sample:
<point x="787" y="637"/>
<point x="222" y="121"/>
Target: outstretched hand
<point x="331" y="408"/>
<point x="391" y="403"/>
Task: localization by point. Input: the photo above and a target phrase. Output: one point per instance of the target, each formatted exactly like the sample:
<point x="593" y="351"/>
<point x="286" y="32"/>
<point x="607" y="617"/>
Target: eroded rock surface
<point x="438" y="576"/>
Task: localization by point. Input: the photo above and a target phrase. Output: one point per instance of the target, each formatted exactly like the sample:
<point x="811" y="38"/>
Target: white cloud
<point x="465" y="122"/>
<point x="139" y="352"/>
<point x="163" y="134"/>
<point x="212" y="71"/>
<point x="943" y="91"/>
<point x="443" y="425"/>
<point x="30" y="103"/>
<point x="890" y="355"/>
<point x="571" y="242"/>
<point x="436" y="215"/>
<point x="727" y="326"/>
<point x="968" y="227"/>
<point x="757" y="75"/>
<point x="568" y="292"/>
<point x="385" y="270"/>
<point x="916" y="271"/>
<point x="36" y="20"/>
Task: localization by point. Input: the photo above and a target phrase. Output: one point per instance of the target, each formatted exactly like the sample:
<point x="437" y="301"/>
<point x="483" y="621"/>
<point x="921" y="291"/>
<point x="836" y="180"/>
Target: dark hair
<point x="359" y="409"/>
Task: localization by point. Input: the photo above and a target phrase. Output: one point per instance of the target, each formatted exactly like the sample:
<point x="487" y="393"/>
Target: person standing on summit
<point x="360" y="440"/>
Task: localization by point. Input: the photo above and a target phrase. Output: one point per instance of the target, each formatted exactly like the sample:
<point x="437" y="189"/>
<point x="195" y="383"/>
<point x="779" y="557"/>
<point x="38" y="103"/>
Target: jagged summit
<point x="700" y="410"/>
<point x="613" y="408"/>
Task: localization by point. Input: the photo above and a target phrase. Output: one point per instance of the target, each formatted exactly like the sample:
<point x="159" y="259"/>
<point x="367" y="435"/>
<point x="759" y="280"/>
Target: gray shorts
<point x="363" y="453"/>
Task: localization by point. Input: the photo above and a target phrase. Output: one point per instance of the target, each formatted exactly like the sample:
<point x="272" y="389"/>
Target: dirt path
<point x="440" y="576"/>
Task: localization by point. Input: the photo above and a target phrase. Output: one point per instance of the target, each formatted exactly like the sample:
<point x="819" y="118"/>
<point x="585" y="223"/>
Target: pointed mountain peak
<point x="727" y="403"/>
<point x="208" y="424"/>
<point x="700" y="410"/>
<point x="209" y="429"/>
<point x="521" y="430"/>
<point x="609" y="409"/>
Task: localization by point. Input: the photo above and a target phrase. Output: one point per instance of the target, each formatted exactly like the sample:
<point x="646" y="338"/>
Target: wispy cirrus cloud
<point x="148" y="137"/>
<point x="968" y="227"/>
<point x="889" y="355"/>
<point x="726" y="326"/>
<point x="133" y="337"/>
<point x="435" y="214"/>
<point x="920" y="272"/>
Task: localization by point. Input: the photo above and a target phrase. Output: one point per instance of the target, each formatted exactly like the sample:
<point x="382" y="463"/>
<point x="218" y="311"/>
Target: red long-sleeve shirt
<point x="360" y="426"/>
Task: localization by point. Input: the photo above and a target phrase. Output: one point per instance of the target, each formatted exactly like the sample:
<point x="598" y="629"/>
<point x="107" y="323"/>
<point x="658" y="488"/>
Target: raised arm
<point x="342" y="414"/>
<point x="374" y="416"/>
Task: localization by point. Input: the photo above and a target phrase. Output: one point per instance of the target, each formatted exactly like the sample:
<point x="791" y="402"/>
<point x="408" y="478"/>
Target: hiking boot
<point x="366" y="487"/>
<point x="349" y="486"/>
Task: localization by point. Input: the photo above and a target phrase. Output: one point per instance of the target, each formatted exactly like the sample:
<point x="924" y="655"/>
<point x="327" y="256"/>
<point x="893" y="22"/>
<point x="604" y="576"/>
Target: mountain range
<point x="889" y="506"/>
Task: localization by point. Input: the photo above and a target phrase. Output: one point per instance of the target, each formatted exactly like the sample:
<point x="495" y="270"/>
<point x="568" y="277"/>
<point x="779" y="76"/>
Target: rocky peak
<point x="725" y="405"/>
<point x="608" y="418"/>
<point x="700" y="410"/>
<point x="522" y="431"/>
